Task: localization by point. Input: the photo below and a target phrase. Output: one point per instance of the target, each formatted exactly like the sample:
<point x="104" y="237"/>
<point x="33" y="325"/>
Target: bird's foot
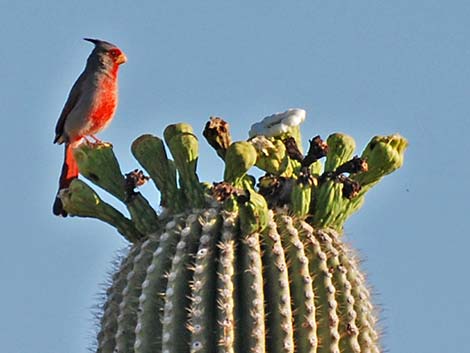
<point x="92" y="140"/>
<point x="96" y="139"/>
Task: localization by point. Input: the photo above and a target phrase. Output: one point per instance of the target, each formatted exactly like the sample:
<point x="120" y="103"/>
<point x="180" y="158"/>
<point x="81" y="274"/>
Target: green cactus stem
<point x="302" y="193"/>
<point x="152" y="299"/>
<point x="250" y="308"/>
<point x="184" y="147"/>
<point x="240" y="265"/>
<point x="203" y="314"/>
<point x="302" y="294"/>
<point x="239" y="158"/>
<point x="340" y="149"/>
<point x="127" y="318"/>
<point x="176" y="337"/>
<point x="384" y="155"/>
<point x="150" y="152"/>
<point x="277" y="291"/>
<point x="225" y="290"/>
<point x="98" y="164"/>
<point x="109" y="320"/>
<point x="82" y="201"/>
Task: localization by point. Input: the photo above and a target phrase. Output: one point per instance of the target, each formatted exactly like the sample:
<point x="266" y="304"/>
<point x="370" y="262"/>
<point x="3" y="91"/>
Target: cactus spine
<point x="233" y="266"/>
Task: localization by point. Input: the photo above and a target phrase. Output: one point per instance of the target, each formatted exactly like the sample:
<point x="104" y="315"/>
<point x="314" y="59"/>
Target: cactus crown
<point x="241" y="265"/>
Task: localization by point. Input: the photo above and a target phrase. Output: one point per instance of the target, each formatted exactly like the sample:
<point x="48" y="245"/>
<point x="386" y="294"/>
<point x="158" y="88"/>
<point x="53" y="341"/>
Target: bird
<point x="89" y="108"/>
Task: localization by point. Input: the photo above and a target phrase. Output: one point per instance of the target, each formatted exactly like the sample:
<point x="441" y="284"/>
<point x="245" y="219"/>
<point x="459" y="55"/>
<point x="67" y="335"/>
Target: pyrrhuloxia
<point x="89" y="108"/>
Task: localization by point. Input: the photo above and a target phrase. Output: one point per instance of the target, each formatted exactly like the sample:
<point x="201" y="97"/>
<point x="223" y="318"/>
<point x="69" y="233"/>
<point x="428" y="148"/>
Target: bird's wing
<point x="72" y="100"/>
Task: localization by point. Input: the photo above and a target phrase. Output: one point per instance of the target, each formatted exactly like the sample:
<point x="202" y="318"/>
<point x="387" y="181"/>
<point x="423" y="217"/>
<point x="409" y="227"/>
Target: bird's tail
<point x="69" y="172"/>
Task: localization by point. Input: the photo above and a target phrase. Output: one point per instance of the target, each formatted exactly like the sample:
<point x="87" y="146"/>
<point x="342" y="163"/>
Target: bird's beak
<point x="121" y="59"/>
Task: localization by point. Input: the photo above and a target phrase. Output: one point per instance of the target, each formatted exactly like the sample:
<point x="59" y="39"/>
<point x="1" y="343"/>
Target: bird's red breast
<point x="105" y="105"/>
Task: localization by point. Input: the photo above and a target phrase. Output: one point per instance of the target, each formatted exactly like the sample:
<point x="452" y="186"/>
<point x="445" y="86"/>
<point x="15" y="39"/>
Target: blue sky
<point x="362" y="67"/>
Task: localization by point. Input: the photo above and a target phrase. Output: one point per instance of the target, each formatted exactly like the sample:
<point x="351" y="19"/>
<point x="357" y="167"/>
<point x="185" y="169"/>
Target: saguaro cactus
<point x="238" y="265"/>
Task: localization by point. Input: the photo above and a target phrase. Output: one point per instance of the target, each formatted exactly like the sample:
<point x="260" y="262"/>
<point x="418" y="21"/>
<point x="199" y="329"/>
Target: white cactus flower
<point x="279" y="123"/>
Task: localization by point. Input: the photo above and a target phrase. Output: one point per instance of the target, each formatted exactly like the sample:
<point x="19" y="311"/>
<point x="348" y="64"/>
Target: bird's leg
<point x="96" y="139"/>
<point x="92" y="140"/>
<point x="87" y="140"/>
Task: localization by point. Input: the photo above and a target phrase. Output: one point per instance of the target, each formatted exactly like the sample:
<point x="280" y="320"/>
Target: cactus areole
<point x="239" y="265"/>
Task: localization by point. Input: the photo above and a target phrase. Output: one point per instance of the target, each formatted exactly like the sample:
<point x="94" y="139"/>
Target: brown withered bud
<point x="223" y="190"/>
<point x="317" y="149"/>
<point x="351" y="188"/>
<point x="276" y="190"/>
<point x="354" y="165"/>
<point x="135" y="179"/>
<point x="292" y="149"/>
<point x="306" y="178"/>
<point x="217" y="134"/>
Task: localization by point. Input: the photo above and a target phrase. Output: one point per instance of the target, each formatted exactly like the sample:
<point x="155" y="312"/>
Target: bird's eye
<point x="115" y="52"/>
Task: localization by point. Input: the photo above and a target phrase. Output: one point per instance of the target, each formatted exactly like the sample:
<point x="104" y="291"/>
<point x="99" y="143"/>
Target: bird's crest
<point x="100" y="43"/>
